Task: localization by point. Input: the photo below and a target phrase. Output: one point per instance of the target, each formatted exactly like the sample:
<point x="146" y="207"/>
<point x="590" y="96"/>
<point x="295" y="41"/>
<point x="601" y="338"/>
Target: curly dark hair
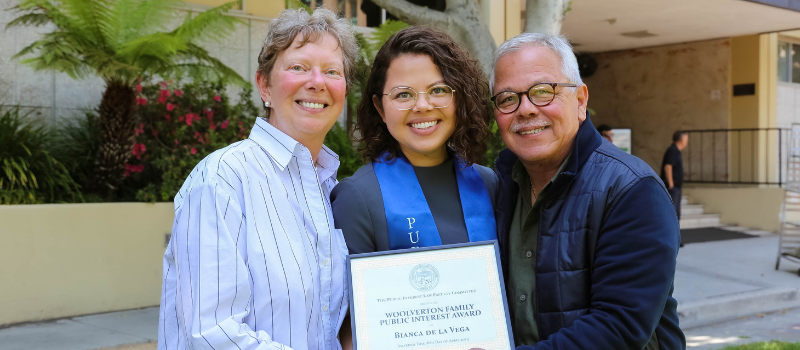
<point x="462" y="73"/>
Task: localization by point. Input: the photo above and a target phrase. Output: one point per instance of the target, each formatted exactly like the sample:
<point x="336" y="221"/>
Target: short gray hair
<point x="290" y="23"/>
<point x="559" y="44"/>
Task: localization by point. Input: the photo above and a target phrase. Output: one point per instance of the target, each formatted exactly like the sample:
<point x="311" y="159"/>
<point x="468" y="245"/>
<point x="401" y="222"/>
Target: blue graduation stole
<point x="408" y="216"/>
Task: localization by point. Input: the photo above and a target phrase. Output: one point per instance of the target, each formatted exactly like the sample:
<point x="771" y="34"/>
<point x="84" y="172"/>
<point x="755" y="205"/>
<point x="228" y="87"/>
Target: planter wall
<point x="59" y="260"/>
<point x="750" y="206"/>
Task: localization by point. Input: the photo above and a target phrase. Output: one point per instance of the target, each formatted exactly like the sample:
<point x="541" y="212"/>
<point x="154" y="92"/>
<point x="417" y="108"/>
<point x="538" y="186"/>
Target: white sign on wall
<point x="622" y="139"/>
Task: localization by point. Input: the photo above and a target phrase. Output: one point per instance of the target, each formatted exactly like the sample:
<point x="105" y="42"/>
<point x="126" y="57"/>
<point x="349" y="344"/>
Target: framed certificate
<point x="448" y="297"/>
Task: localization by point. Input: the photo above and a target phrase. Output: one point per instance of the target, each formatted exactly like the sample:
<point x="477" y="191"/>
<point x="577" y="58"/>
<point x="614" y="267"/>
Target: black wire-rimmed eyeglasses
<point x="541" y="94"/>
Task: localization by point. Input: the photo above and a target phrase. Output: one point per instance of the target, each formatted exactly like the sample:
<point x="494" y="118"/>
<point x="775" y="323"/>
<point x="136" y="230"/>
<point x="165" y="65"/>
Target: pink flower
<point x="133" y="169"/>
<point x="141" y="100"/>
<point x="164" y="93"/>
<point x="155" y="132"/>
<point x="139" y="87"/>
<point x="138" y="150"/>
<point x="217" y="98"/>
<point x="162" y="99"/>
<point x="139" y="130"/>
<point x="191" y="117"/>
<point x="166" y="116"/>
<point x="178" y="93"/>
<point x="193" y="151"/>
<point x="164" y="84"/>
<point x="170" y="107"/>
<point x="224" y="124"/>
<point x="212" y="126"/>
<point x="176" y="142"/>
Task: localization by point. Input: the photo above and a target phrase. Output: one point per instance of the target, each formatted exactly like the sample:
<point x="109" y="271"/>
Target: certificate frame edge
<point x="500" y="276"/>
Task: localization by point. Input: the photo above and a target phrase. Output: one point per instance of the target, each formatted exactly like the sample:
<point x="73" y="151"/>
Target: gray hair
<point x="559" y="44"/>
<point x="290" y="23"/>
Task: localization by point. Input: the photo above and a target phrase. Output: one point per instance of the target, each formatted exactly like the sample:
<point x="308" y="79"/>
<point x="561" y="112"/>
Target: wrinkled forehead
<point x="527" y="66"/>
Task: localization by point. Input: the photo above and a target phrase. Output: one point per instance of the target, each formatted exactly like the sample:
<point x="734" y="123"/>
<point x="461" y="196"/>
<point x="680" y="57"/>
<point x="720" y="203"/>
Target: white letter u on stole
<point x="411" y="237"/>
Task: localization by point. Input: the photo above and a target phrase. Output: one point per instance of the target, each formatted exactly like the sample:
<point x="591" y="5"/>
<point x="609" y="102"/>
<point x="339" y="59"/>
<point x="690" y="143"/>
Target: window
<point x="788" y="62"/>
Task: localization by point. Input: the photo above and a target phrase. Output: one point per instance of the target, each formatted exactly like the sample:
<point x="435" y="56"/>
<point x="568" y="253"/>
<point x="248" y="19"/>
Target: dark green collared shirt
<point x="522" y="240"/>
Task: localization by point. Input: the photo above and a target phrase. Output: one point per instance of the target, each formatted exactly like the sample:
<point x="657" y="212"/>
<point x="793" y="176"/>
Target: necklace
<point x="533" y="189"/>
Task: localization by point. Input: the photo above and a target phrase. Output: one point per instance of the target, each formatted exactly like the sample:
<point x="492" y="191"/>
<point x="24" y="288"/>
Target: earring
<point x="266" y="104"/>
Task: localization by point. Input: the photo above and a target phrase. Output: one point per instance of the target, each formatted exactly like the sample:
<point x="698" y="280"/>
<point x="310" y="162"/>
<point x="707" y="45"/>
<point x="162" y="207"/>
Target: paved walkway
<point x="721" y="280"/>
<point x="715" y="281"/>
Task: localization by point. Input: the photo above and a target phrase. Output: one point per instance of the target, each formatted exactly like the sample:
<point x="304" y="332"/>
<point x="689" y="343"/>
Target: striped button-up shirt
<point x="254" y="261"/>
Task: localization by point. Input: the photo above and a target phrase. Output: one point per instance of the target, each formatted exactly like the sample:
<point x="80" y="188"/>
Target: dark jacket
<point x="357" y="206"/>
<point x="606" y="254"/>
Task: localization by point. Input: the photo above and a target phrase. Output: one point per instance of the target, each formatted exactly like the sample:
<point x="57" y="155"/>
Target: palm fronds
<point x="121" y="39"/>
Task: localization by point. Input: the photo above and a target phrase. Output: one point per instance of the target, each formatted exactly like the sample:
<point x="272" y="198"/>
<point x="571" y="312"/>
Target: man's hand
<point x="668" y="173"/>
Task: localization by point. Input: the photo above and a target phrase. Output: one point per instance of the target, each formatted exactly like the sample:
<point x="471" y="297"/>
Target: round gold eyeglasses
<point x="404" y="98"/>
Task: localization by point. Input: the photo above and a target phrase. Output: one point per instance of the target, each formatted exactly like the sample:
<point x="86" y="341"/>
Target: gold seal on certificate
<point x="445" y="298"/>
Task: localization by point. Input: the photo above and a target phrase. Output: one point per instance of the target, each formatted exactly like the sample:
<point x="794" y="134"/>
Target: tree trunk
<point x="117" y="123"/>
<point x="545" y="16"/>
<point x="461" y="20"/>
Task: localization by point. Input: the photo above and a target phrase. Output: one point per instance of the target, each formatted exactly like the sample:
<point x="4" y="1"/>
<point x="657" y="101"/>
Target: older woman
<point x="423" y="124"/>
<point x="254" y="260"/>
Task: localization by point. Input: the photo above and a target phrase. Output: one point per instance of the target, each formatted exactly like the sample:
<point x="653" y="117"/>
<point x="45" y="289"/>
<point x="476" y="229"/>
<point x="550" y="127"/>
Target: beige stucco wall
<point x="61" y="260"/>
<point x="735" y="204"/>
<point x="655" y="91"/>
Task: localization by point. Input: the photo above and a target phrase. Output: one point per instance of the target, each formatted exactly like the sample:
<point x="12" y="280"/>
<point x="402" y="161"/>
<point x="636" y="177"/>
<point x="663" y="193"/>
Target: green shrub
<point x="179" y="126"/>
<point x="29" y="174"/>
<point x="495" y="145"/>
<point x="339" y="142"/>
<point x="75" y="144"/>
<point x="771" y="345"/>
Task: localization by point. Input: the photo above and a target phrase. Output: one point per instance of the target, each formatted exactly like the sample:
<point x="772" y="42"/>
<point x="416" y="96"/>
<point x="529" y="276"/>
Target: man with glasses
<point x="588" y="235"/>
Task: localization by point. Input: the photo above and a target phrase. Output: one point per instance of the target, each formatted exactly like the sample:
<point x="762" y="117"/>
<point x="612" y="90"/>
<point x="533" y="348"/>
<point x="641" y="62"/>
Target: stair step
<point x="698" y="221"/>
<point x="684" y="200"/>
<point x="691" y="209"/>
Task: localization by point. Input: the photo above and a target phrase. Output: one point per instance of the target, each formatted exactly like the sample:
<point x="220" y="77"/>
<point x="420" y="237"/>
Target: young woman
<point x="423" y="126"/>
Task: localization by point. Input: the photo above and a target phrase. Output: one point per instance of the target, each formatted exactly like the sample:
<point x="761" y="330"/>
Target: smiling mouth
<point x="424" y="125"/>
<point x="532" y="132"/>
<point x="312" y="105"/>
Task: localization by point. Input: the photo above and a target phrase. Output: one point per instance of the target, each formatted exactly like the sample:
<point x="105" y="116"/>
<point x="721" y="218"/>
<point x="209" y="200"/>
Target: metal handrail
<point x="727" y="149"/>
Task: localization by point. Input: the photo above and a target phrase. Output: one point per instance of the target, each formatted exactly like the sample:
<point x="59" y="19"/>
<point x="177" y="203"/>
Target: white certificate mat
<point x="447" y="297"/>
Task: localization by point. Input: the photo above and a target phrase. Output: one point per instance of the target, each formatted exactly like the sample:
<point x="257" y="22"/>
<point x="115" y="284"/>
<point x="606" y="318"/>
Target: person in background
<point x="672" y="168"/>
<point x="605" y="132"/>
<point x="254" y="261"/>
<point x="423" y="123"/>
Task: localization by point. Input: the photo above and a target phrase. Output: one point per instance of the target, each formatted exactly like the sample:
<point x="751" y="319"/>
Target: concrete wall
<point x="754" y="61"/>
<point x="61" y="260"/>
<point x="52" y="96"/>
<point x="734" y="204"/>
<point x="655" y="91"/>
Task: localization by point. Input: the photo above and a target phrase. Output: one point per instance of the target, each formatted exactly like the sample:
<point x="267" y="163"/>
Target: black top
<point x="357" y="204"/>
<point x="673" y="157"/>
